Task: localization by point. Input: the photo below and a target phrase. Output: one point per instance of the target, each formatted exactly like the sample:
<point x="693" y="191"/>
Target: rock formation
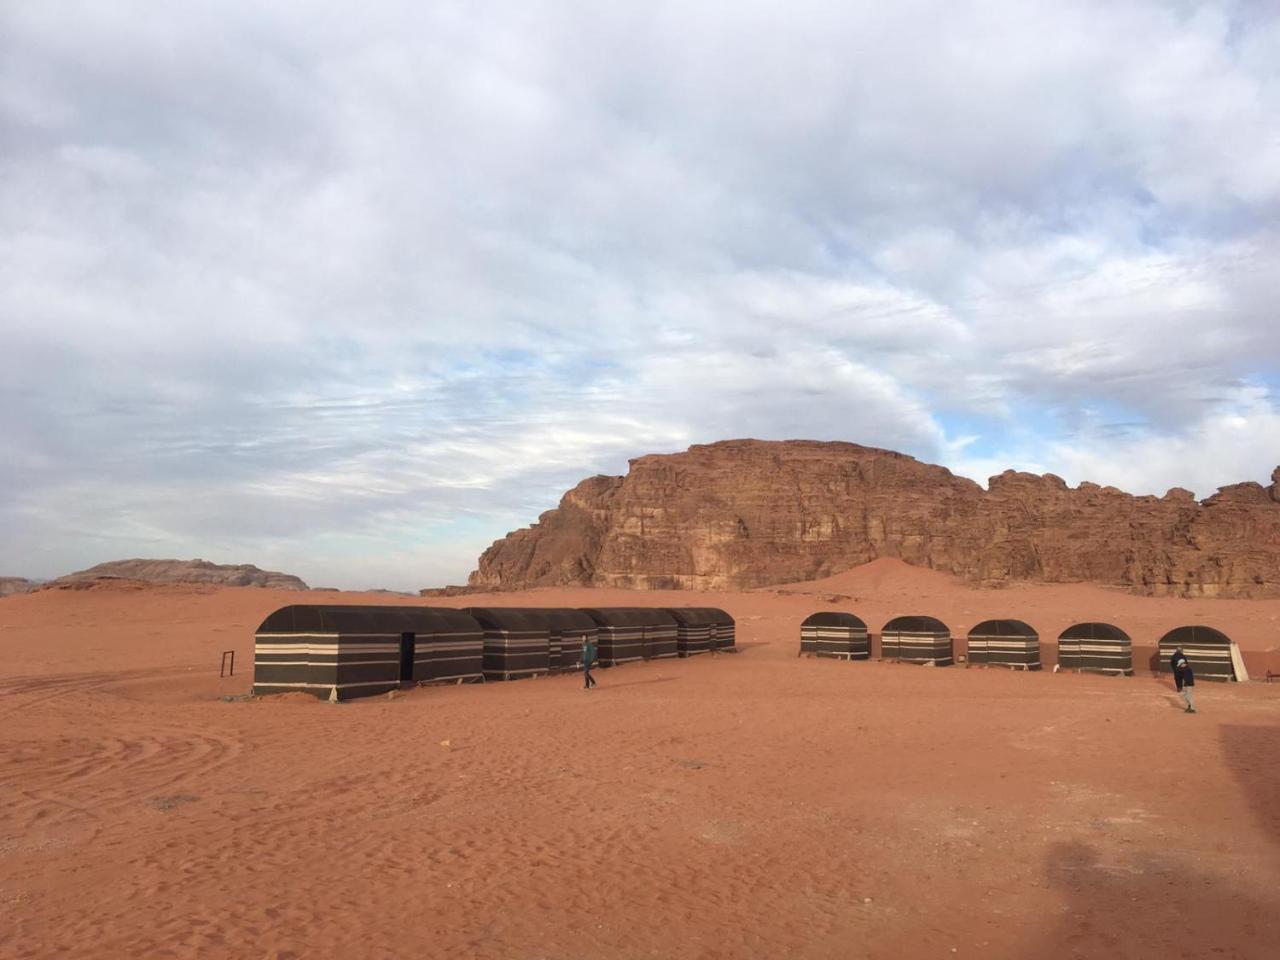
<point x="177" y="571"/>
<point x="11" y="585"/>
<point x="746" y="513"/>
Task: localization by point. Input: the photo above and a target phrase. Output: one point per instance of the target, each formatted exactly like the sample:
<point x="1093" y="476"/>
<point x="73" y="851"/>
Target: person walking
<point x="588" y="661"/>
<point x="1184" y="677"/>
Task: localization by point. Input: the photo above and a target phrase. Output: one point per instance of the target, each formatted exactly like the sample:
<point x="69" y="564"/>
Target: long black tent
<point x="1096" y="648"/>
<point x="830" y="633"/>
<point x="701" y="630"/>
<point x="633" y="633"/>
<point x="341" y="651"/>
<point x="1208" y="650"/>
<point x="1005" y="643"/>
<point x="917" y="639"/>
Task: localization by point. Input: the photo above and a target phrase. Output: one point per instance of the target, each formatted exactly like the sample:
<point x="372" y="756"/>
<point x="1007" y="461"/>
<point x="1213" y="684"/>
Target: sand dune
<point x="749" y="805"/>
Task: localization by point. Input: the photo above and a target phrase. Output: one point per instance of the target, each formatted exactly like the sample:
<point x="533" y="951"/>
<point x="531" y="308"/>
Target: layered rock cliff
<point x="176" y="572"/>
<point x="747" y="513"/>
<point x="14" y="585"/>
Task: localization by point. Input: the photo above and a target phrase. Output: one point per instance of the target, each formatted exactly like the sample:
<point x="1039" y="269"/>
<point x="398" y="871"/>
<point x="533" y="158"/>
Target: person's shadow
<point x="1152" y="906"/>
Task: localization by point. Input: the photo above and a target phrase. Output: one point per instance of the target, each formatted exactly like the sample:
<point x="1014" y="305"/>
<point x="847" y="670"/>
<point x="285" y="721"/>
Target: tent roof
<point x="630" y="616"/>
<point x="1094" y="631"/>
<point x="532" y="618"/>
<point x="1198" y="635"/>
<point x="916" y="624"/>
<point x="833" y="618"/>
<point x="699" y="616"/>
<point x="352" y="619"/>
<point x="1004" y="628"/>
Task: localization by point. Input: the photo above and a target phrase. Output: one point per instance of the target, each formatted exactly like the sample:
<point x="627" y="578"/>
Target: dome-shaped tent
<point x="830" y="633"/>
<point x="1209" y="651"/>
<point x="917" y="640"/>
<point x="1005" y="643"/>
<point x="1096" y="648"/>
<point x="702" y="630"/>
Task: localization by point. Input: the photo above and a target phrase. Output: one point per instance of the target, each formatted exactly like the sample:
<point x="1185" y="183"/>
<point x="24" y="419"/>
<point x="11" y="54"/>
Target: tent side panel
<point x="620" y="644"/>
<point x="1006" y="651"/>
<point x="449" y="655"/>
<point x="284" y="662"/>
<point x="660" y="641"/>
<point x="515" y="654"/>
<point x="912" y="647"/>
<point x="1209" y="661"/>
<point x="692" y="640"/>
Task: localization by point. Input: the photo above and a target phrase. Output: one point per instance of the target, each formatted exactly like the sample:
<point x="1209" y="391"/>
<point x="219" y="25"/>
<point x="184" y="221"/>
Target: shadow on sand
<point x="1152" y="906"/>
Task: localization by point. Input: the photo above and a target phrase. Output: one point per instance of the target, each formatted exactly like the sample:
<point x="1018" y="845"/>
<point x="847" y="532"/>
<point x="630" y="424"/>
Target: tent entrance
<point x="408" y="644"/>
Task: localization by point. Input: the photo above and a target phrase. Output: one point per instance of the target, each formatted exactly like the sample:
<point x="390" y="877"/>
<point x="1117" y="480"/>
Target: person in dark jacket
<point x="588" y="661"/>
<point x="1183" y="677"/>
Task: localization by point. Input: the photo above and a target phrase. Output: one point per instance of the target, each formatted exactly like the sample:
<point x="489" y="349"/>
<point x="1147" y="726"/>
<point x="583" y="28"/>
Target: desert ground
<point x="739" y="805"/>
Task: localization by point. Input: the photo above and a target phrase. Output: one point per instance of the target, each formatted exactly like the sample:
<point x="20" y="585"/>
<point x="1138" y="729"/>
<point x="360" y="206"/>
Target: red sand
<point x="749" y="805"/>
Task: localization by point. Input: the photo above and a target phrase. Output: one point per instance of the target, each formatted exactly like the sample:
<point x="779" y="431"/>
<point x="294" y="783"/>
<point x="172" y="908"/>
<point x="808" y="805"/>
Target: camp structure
<point x="567" y="628"/>
<point x="701" y="630"/>
<point x="1096" y="648"/>
<point x="916" y="640"/>
<point x="341" y="652"/>
<point x="830" y="633"/>
<point x="1005" y="643"/>
<point x="517" y="642"/>
<point x="633" y="633"/>
<point x="1208" y="650"/>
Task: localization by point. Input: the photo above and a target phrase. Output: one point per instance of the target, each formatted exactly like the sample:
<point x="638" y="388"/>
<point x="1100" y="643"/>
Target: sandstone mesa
<point x="169" y="572"/>
<point x="748" y="513"/>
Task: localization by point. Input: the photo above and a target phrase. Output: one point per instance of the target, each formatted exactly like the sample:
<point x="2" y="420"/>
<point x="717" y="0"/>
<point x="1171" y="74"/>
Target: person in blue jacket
<point x="588" y="661"/>
<point x="1183" y="677"/>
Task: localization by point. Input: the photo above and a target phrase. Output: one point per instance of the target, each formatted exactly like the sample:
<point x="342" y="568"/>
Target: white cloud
<point x="333" y="290"/>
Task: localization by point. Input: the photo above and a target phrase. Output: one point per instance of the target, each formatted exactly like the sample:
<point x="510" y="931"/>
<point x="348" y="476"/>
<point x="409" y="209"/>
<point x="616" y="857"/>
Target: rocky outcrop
<point x="178" y="572"/>
<point x="746" y="513"/>
<point x="12" y="585"/>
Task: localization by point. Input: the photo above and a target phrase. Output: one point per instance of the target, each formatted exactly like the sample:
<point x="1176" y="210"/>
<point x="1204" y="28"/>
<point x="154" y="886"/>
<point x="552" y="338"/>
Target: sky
<point x="352" y="291"/>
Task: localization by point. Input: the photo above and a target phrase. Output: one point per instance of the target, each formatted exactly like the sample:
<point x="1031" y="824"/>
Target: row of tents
<point x="1088" y="647"/>
<point x="341" y="652"/>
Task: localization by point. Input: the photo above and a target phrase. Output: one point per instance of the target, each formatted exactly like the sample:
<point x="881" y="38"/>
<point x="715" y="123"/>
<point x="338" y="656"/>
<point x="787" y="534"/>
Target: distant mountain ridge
<point x="748" y="513"/>
<point x="177" y="572"/>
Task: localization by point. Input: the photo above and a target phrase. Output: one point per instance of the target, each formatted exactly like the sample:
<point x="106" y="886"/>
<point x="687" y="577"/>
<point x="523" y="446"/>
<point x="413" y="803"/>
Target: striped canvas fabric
<point x="917" y="640"/>
<point x="352" y="651"/>
<point x="633" y="633"/>
<point x="566" y="629"/>
<point x="1005" y="643"/>
<point x="724" y="635"/>
<point x="1096" y="648"/>
<point x="830" y="633"/>
<point x="701" y="630"/>
<point x="517" y="642"/>
<point x="1208" y="650"/>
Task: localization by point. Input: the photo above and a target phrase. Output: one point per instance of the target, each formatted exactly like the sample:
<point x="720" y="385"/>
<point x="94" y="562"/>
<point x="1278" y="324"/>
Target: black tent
<point x="701" y="629"/>
<point x="352" y="651"/>
<point x="830" y="633"/>
<point x="566" y="629"/>
<point x="1096" y="648"/>
<point x="916" y="640"/>
<point x="517" y="642"/>
<point x="1208" y="650"/>
<point x="633" y="633"/>
<point x="1005" y="643"/>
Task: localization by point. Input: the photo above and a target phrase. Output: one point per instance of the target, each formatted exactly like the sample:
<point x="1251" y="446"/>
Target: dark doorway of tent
<point x="408" y="643"/>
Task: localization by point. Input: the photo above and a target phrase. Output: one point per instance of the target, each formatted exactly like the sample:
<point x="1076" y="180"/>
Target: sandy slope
<point x="755" y="805"/>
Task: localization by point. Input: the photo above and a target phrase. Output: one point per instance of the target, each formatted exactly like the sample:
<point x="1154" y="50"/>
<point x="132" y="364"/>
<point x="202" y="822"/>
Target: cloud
<point x="355" y="295"/>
